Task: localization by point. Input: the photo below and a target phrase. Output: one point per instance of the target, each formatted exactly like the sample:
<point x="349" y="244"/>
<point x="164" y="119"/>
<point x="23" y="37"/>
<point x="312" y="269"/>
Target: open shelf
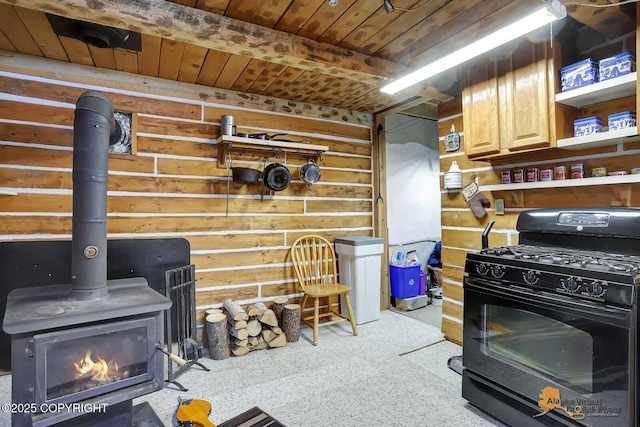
<point x="227" y="143"/>
<point x="608" y="90"/>
<point x="6" y="192"/>
<point x="598" y="139"/>
<point x="582" y="182"/>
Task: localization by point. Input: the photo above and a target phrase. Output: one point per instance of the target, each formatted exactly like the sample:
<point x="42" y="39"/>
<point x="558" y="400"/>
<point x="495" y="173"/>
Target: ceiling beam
<point x="611" y="22"/>
<point x="201" y="28"/>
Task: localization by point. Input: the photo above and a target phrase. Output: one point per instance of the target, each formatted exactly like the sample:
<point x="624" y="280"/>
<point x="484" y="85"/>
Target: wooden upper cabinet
<point x="513" y="108"/>
<point x="528" y="99"/>
<point x="480" y="111"/>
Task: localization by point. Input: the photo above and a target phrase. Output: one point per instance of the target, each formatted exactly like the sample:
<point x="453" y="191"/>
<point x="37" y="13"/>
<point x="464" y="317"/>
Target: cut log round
<point x="260" y="307"/>
<point x="276" y="329"/>
<point x="237" y="324"/>
<point x="239" y="351"/>
<point x="278" y="341"/>
<point x="252" y="310"/>
<point x="241" y="334"/>
<point x="213" y="311"/>
<point x="268" y="335"/>
<point x="291" y="322"/>
<point x="240" y="343"/>
<point x="235" y="310"/>
<point x="268" y="317"/>
<point x="254" y="327"/>
<point x="278" y="307"/>
<point x="261" y="345"/>
<point x="217" y="336"/>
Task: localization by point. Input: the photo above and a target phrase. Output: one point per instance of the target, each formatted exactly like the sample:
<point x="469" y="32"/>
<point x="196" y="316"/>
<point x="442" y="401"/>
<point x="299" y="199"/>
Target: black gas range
<point x="550" y="333"/>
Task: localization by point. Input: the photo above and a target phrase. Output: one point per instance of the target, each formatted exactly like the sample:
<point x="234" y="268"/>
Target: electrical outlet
<point x="499" y="206"/>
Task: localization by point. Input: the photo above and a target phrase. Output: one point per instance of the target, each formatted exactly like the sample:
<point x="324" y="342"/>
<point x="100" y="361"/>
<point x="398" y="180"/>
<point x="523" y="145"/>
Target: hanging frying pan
<point x="276" y="177"/>
<point x="310" y="172"/>
<point x="245" y="175"/>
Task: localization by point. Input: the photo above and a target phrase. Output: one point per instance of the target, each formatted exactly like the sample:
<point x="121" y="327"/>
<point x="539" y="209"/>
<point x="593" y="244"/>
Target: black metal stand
<point x="181" y="289"/>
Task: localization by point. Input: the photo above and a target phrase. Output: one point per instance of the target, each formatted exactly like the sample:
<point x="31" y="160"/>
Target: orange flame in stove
<point x="101" y="370"/>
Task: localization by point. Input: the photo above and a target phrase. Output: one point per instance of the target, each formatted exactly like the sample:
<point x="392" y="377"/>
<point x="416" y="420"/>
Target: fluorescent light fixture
<point x="553" y="10"/>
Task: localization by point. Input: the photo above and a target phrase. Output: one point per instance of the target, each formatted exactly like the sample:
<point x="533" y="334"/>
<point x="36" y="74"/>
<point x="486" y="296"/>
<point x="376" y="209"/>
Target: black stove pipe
<point x="93" y="127"/>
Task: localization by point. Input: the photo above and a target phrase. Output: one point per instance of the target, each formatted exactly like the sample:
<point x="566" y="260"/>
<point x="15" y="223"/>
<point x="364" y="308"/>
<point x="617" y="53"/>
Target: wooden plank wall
<point x="172" y="187"/>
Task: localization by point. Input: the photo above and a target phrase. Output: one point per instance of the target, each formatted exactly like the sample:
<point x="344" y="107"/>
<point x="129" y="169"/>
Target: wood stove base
<point x="123" y="414"/>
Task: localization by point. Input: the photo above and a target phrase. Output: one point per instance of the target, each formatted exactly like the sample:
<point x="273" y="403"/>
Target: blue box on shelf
<point x="587" y="126"/>
<point x="405" y="281"/>
<point x="580" y="74"/>
<point x="617" y="65"/>
<point x="626" y="119"/>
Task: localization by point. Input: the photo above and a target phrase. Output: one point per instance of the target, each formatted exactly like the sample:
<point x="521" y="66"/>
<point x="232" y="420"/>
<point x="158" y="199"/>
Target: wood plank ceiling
<point x="300" y="50"/>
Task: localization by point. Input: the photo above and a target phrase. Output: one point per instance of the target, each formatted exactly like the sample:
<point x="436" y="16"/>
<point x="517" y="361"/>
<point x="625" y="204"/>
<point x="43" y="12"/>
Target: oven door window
<point x="556" y="349"/>
<point x="528" y="340"/>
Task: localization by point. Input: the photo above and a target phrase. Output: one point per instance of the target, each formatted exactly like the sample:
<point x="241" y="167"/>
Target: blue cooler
<point x="405" y="281"/>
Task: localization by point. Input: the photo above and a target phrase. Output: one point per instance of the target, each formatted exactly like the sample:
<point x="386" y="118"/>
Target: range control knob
<point x="531" y="277"/>
<point x="596" y="289"/>
<point x="497" y="271"/>
<point x="482" y="269"/>
<point x="571" y="284"/>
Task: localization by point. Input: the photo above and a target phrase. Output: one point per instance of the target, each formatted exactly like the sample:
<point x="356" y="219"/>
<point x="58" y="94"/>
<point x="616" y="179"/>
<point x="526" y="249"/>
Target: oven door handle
<point x="587" y="309"/>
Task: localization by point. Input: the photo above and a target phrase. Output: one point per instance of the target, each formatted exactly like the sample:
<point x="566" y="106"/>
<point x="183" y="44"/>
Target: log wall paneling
<point x="172" y="187"/>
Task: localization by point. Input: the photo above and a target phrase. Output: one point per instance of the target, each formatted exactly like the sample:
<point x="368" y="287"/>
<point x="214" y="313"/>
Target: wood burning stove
<point x="80" y="352"/>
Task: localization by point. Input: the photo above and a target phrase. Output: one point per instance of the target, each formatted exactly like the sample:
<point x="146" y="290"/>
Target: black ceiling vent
<point x="95" y="34"/>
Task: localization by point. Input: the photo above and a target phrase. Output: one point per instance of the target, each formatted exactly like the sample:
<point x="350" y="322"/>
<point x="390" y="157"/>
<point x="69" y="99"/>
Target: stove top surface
<point x="599" y="276"/>
<point x="578" y="258"/>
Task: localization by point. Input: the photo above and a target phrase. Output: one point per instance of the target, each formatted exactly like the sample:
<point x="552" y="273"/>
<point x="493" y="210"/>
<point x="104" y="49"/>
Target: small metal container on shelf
<point x="579" y="74"/>
<point x="616" y="65"/>
<point x="560" y="172"/>
<point x="518" y="175"/>
<point x="598" y="172"/>
<point x="623" y="120"/>
<point x="577" y="171"/>
<point x="533" y="175"/>
<point x="546" y="175"/>
<point x="587" y="126"/>
<point x="506" y="177"/>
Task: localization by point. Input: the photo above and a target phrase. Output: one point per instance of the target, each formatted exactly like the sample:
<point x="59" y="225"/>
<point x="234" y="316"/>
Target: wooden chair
<point x="315" y="263"/>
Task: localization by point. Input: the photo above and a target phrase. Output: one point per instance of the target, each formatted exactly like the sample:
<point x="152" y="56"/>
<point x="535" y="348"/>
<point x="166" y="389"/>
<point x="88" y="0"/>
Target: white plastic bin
<point x="359" y="260"/>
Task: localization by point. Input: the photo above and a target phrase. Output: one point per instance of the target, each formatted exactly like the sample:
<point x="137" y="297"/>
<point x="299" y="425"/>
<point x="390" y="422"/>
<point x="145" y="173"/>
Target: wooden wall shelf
<point x="598" y="139"/>
<point x="604" y="180"/>
<point x="228" y="143"/>
<point x="596" y="93"/>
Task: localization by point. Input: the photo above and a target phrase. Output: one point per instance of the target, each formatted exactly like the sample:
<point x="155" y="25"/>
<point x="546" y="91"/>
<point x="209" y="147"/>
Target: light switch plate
<point x="499" y="208"/>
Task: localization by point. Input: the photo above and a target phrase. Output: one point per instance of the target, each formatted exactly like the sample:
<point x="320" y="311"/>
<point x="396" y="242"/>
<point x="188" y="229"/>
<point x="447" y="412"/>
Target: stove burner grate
<point x="590" y="260"/>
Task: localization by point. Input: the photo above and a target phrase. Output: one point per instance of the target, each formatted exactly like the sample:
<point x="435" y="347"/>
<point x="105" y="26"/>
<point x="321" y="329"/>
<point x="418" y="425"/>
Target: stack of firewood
<point x="253" y="328"/>
<point x="239" y="330"/>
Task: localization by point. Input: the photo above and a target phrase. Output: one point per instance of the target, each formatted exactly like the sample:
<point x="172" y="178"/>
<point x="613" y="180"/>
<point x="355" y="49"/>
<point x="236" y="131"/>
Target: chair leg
<point x="352" y="318"/>
<point x="304" y="301"/>
<point x="316" y="319"/>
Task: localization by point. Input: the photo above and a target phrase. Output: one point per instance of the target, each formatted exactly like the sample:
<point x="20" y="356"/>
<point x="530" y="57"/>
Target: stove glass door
<point x="563" y="354"/>
<point x="78" y="363"/>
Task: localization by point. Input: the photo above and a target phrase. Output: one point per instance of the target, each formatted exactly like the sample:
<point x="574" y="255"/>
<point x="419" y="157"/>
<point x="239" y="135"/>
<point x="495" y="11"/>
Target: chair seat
<point x="325" y="289"/>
